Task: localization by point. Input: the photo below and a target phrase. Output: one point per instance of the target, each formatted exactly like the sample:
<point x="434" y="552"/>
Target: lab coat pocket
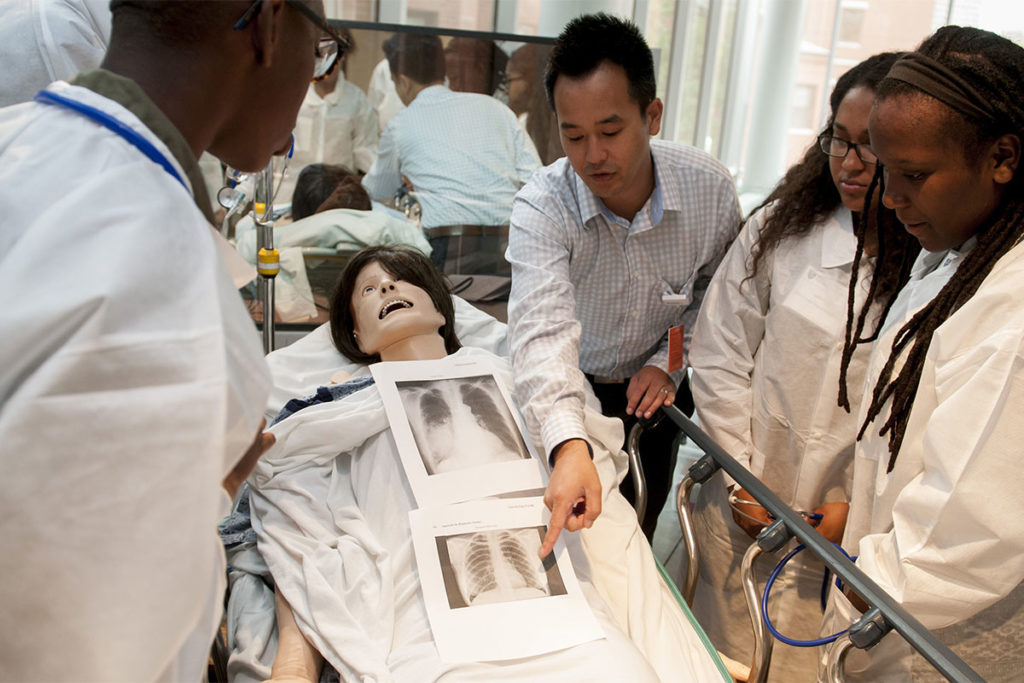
<point x="818" y="297"/>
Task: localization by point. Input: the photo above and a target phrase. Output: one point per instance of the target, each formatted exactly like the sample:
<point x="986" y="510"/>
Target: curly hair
<point x="806" y="195"/>
<point x="994" y="67"/>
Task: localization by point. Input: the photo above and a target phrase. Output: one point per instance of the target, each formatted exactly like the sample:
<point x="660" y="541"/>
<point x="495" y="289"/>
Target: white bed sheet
<point x="330" y="508"/>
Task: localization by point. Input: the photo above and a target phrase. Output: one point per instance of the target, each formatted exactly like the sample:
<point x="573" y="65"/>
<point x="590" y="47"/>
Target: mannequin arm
<point x="296" y="661"/>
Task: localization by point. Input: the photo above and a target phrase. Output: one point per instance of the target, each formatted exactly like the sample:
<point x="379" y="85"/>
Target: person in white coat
<point x="936" y="517"/>
<point x="336" y="125"/>
<point x="133" y="384"/>
<point x="766" y="358"/>
<point x="42" y="41"/>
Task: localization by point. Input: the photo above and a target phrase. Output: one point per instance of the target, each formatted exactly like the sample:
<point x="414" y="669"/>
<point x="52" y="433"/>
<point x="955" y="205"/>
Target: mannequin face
<point x="388" y="311"/>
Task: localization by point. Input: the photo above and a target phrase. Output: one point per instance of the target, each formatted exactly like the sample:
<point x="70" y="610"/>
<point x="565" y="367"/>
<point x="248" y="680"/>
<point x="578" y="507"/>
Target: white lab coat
<point x="340" y="128"/>
<point x="943" y="533"/>
<point x="131" y="381"/>
<point x="765" y="357"/>
<point x="42" y="41"/>
<point x="382" y="94"/>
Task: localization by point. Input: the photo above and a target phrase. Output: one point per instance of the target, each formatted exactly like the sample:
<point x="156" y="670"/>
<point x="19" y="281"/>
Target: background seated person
<point x="464" y="154"/>
<point x="336" y="124"/>
<point x="321" y="187"/>
<point x="527" y="97"/>
<point x="333" y="218"/>
<point x="330" y="510"/>
<point x="474" y="65"/>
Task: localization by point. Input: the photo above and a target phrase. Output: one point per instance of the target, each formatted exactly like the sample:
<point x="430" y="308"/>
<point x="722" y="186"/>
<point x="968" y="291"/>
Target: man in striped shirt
<point x="610" y="248"/>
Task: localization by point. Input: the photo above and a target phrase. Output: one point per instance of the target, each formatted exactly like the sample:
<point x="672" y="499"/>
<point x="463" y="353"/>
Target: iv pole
<point x="268" y="262"/>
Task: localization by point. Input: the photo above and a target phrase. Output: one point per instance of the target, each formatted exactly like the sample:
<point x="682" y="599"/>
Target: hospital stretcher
<point x="883" y="616"/>
<point x="314" y="360"/>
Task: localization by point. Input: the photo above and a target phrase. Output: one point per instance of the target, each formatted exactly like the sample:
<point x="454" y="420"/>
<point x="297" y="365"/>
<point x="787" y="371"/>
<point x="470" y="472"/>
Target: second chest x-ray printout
<point x="458" y="434"/>
<point x="488" y="595"/>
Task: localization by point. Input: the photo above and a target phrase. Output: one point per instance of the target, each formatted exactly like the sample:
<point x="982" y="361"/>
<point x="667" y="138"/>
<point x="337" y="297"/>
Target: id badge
<point x="675" y="348"/>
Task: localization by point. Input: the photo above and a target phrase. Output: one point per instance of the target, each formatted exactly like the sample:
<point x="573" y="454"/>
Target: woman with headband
<point x="936" y="515"/>
<point x="766" y="366"/>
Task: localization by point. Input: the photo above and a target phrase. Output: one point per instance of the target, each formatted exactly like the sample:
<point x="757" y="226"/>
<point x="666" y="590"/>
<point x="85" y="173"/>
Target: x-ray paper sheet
<point x="458" y="434"/>
<point x="488" y="595"/>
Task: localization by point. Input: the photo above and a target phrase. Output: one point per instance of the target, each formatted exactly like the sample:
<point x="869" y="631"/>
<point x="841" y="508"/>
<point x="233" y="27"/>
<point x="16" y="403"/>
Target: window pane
<point x="470" y="15"/>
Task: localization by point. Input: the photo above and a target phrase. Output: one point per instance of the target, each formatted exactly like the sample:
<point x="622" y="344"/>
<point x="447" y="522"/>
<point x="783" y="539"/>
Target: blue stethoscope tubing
<point x="115" y="126"/>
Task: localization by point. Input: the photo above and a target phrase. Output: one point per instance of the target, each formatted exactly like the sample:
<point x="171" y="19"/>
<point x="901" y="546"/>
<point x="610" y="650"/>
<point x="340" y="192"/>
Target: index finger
<point x="555" y="526"/>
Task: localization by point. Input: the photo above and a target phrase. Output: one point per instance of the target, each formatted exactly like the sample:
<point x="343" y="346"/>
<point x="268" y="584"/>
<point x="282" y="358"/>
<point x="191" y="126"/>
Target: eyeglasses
<point x="329" y="49"/>
<point x="839" y="148"/>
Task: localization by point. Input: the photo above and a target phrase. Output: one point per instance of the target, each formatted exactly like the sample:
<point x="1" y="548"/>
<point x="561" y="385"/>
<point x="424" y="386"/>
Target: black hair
<point x="591" y="39"/>
<point x="418" y="56"/>
<point x="994" y="67"/>
<point x="178" y="23"/>
<point x="402" y="263"/>
<point x="318" y="182"/>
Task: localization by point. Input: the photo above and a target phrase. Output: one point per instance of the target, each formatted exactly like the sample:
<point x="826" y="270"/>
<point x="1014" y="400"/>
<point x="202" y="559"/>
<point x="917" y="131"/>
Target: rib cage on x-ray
<point x="460" y="422"/>
<point x="498" y="566"/>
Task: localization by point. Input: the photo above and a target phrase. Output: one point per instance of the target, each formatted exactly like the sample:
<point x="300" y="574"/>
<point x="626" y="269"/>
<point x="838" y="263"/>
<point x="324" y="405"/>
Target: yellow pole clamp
<point x="268" y="262"/>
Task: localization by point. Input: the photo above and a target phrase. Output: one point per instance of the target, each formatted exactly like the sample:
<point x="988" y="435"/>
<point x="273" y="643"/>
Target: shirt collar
<point x="129" y="95"/>
<point x="838" y="242"/>
<point x="431" y="92"/>
<point x="928" y="261"/>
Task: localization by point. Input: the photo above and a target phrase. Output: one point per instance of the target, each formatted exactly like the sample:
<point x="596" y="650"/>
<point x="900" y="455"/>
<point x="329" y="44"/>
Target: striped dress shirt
<point x="589" y="287"/>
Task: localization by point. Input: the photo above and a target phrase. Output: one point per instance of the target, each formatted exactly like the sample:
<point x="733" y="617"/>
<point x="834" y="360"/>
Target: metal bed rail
<point x="883" y="615"/>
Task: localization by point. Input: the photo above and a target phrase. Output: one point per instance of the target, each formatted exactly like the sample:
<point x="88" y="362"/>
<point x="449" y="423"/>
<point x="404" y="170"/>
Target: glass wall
<point x="746" y="80"/>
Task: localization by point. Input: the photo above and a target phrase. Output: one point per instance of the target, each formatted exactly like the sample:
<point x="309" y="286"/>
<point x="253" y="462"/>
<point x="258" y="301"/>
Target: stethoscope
<point x="115" y="126"/>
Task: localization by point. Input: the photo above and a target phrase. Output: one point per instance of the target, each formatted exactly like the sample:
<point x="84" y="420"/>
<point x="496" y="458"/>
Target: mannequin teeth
<point x="393" y="305"/>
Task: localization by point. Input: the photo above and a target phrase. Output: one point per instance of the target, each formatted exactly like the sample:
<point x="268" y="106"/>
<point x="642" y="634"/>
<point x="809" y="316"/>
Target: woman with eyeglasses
<point x="766" y="359"/>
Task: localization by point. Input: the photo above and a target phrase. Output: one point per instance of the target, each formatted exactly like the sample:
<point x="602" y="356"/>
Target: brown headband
<point x="943" y="84"/>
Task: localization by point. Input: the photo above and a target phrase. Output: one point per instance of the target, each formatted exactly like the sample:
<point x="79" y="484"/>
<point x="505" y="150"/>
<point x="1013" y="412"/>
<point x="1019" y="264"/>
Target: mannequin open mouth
<point x="392" y="306"/>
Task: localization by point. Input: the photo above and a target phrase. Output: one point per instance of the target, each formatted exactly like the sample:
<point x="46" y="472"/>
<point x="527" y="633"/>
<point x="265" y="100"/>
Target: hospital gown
<point x="765" y="357"/>
<point x="943" y="533"/>
<point x="131" y="382"/>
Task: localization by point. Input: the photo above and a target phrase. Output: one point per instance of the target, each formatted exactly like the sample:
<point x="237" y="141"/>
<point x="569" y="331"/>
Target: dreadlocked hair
<point x="994" y="67"/>
<point x="807" y="194"/>
<point x="897" y="250"/>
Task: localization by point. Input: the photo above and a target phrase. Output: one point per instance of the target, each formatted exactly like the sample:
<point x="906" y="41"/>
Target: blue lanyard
<point x="112" y="124"/>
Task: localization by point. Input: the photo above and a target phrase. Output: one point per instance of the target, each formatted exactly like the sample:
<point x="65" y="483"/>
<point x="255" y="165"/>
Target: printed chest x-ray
<point x="460" y="422"/>
<point x="498" y="565"/>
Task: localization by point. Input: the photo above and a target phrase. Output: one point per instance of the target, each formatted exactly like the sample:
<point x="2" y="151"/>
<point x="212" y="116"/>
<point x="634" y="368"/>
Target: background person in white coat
<point x="42" y="41"/>
<point x="132" y="380"/>
<point x="936" y="514"/>
<point x="766" y="360"/>
<point x="336" y="125"/>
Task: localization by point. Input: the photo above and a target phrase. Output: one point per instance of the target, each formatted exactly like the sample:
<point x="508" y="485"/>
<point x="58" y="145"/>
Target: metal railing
<point x="883" y="615"/>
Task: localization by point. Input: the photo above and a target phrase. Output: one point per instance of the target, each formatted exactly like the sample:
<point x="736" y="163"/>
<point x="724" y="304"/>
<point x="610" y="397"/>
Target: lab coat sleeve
<point x="365" y="137"/>
<point x="385" y="175"/>
<point x="721" y="230"/>
<point x="726" y="338"/>
<point x="543" y="329"/>
<point x="956" y="544"/>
